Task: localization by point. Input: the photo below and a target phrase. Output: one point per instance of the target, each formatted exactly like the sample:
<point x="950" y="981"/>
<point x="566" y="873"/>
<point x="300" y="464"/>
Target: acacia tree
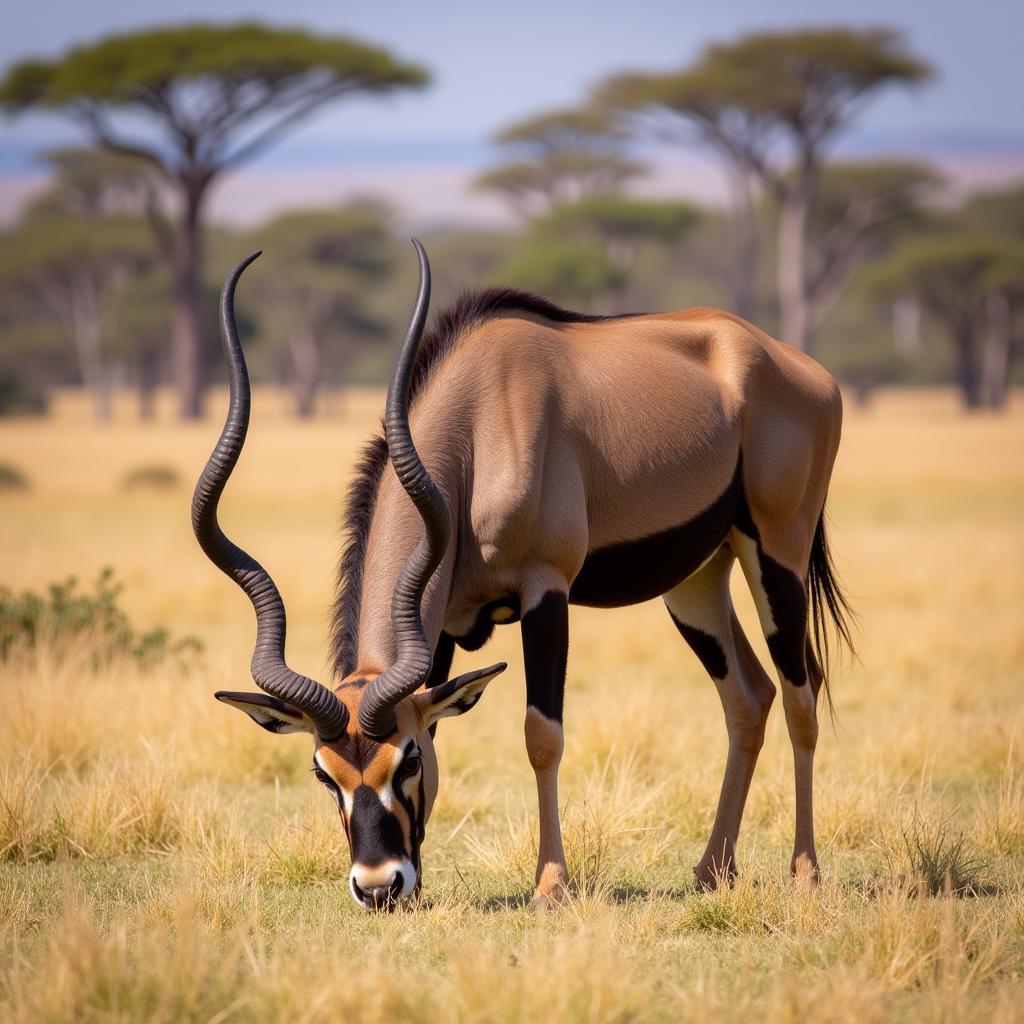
<point x="620" y="225"/>
<point x="572" y="271"/>
<point x="215" y="95"/>
<point x="312" y="283"/>
<point x="1001" y="211"/>
<point x="71" y="268"/>
<point x="770" y="104"/>
<point x="560" y="156"/>
<point x="859" y="210"/>
<point x="962" y="280"/>
<point x="91" y="182"/>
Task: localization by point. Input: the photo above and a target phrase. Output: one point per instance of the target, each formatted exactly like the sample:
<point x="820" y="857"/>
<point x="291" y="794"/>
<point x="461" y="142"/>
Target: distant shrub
<point x="153" y="477"/>
<point x="65" y="614"/>
<point x="11" y="478"/>
<point x="18" y="397"/>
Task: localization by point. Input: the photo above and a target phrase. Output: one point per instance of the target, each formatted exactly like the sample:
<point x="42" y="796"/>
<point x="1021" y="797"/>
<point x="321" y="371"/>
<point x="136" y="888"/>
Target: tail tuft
<point x="829" y="608"/>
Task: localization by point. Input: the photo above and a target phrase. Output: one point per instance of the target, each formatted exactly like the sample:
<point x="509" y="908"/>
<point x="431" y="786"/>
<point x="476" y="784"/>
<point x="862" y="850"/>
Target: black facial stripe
<point x="326" y="779"/>
<point x="374" y="832"/>
<point x="415" y="816"/>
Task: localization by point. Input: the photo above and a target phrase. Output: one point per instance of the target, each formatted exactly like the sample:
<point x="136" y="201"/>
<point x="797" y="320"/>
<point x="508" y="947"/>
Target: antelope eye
<point x="322" y="776"/>
<point x="410" y="766"/>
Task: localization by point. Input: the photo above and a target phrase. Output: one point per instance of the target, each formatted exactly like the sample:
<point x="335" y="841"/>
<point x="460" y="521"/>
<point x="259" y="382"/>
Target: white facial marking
<point x="382" y="876"/>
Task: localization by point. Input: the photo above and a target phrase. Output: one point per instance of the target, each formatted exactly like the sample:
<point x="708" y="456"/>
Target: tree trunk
<point x="746" y="253"/>
<point x="995" y="357"/>
<point x="87" y="334"/>
<point x="189" y="368"/>
<point x="970" y="383"/>
<point x="789" y="272"/>
<point x="146" y="381"/>
<point x="306" y="371"/>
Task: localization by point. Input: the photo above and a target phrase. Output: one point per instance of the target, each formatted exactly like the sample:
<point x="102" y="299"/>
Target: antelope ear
<point x="456" y="696"/>
<point x="272" y="714"/>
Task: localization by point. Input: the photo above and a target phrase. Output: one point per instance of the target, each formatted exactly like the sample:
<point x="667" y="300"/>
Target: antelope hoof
<point x="709" y="876"/>
<point x="551" y="889"/>
<point x="803" y="871"/>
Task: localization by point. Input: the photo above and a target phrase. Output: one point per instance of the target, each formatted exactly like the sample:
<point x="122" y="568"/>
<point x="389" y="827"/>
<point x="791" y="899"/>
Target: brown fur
<point x="552" y="436"/>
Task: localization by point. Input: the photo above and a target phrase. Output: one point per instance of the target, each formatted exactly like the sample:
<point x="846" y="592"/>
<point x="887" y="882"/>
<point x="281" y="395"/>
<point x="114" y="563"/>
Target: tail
<point x="830" y="611"/>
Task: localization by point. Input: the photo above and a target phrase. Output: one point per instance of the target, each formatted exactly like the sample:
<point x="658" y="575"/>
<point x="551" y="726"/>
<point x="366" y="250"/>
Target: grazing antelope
<point x="559" y="459"/>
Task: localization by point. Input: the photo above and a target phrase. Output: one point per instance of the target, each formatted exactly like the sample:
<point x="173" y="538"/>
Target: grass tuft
<point x="933" y="859"/>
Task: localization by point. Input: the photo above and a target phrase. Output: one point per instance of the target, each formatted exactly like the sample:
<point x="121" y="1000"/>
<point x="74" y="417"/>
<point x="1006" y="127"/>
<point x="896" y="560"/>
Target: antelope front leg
<point x="545" y="629"/>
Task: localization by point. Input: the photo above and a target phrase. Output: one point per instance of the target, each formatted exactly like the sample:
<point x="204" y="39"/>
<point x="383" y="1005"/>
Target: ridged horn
<point x="269" y="669"/>
<point x="412" y="664"/>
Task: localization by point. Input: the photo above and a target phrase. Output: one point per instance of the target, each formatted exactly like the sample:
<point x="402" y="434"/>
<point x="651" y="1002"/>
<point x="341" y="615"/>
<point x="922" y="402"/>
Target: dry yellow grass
<point x="162" y="859"/>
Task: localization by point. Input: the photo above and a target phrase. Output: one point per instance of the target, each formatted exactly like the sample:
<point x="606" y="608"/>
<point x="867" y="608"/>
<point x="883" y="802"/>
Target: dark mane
<point x="359" y="503"/>
<point x="440" y="337"/>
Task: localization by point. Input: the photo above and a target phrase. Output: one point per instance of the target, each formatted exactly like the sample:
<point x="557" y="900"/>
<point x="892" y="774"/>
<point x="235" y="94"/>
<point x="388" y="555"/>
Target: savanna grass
<point x="162" y="859"/>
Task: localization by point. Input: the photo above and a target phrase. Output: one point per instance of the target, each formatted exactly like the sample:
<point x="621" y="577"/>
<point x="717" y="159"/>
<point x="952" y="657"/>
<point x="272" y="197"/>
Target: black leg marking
<point x="441" y="666"/>
<point x="706" y="647"/>
<point x="814" y="671"/>
<point x="787" y="599"/>
<point x="545" y="651"/>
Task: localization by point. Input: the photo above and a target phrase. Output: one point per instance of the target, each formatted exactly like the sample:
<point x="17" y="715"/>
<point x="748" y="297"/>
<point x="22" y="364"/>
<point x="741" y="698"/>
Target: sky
<point x="494" y="63"/>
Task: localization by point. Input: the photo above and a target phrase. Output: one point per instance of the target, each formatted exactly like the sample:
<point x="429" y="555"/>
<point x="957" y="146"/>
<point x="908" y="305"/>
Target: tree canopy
<point x="770" y="103"/>
<point x="211" y="97"/>
<point x="209" y="83"/>
<point x="802" y="86"/>
<point x="565" y="155"/>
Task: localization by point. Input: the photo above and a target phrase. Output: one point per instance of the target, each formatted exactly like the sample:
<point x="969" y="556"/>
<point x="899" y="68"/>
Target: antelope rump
<point x="559" y="459"/>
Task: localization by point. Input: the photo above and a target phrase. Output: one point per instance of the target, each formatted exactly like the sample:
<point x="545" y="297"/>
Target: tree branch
<point x="105" y="138"/>
<point x="288" y="119"/>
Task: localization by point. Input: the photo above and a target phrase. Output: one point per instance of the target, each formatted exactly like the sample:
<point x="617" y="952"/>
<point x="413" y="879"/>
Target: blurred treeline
<point x="109" y="278"/>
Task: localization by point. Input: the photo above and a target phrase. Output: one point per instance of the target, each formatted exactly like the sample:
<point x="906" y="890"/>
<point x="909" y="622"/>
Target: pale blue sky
<point x="495" y="62"/>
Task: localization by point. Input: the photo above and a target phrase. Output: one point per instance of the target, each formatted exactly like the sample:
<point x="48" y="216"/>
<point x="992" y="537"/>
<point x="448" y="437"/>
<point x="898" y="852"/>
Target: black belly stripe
<point x="639" y="570"/>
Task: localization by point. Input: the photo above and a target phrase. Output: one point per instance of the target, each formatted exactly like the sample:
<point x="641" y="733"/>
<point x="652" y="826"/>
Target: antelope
<point x="560" y="459"/>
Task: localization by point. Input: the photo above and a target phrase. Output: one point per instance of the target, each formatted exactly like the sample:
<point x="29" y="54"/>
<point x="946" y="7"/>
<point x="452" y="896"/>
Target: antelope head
<point x="374" y="747"/>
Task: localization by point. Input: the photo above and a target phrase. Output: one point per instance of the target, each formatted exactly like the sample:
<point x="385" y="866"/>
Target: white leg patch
<point x="746" y="551"/>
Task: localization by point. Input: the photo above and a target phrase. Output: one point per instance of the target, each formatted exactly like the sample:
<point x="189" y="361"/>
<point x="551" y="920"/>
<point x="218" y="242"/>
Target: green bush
<point x="18" y="397"/>
<point x="65" y="613"/>
<point x="11" y="478"/>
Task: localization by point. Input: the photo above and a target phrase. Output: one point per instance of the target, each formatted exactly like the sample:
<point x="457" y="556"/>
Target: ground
<point x="163" y="859"/>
